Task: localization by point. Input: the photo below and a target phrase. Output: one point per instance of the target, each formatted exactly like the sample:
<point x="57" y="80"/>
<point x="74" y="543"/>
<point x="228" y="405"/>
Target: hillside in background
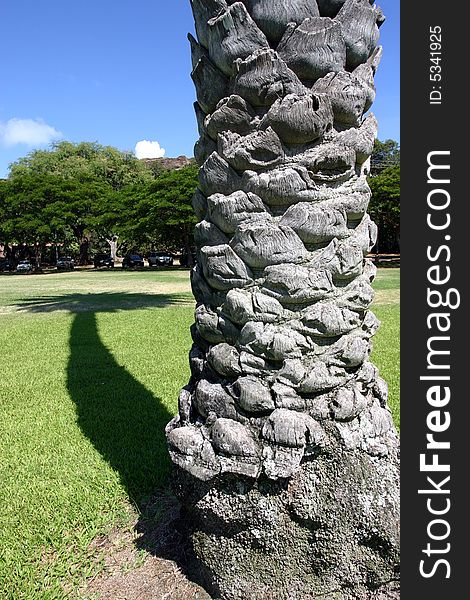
<point x="167" y="163"/>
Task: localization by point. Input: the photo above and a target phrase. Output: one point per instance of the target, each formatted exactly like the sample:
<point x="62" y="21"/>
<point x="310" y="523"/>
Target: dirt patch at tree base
<point x="141" y="561"/>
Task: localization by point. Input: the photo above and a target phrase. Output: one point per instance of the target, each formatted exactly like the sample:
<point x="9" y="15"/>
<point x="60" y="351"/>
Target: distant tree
<point x="158" y="213"/>
<point x="23" y="218"/>
<point x="73" y="208"/>
<point x="3" y="192"/>
<point x="384" y="208"/>
<point x="57" y="193"/>
<point x="386" y="154"/>
<point x="171" y="215"/>
<point x="76" y="195"/>
<point x="84" y="161"/>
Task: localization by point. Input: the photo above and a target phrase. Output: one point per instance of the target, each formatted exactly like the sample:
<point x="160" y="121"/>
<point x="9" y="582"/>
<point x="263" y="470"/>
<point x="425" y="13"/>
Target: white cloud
<point x="32" y="132"/>
<point x="148" y="149"/>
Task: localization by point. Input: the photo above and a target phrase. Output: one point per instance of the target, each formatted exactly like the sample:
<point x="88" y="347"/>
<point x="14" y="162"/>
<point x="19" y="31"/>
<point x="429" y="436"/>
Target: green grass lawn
<point x="386" y="353"/>
<point x="91" y="368"/>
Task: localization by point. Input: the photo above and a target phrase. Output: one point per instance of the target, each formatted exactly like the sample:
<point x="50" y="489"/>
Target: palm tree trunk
<point x="285" y="453"/>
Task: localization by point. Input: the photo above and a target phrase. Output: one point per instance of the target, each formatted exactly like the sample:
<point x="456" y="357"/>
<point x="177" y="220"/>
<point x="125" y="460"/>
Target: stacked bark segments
<point x="286" y="457"/>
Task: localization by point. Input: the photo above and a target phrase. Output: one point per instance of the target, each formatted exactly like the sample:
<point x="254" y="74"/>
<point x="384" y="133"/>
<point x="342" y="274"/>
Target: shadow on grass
<point x="101" y="302"/>
<point x="123" y="419"/>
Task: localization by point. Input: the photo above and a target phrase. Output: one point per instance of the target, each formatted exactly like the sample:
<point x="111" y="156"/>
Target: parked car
<point x="133" y="260"/>
<point x="103" y="260"/>
<point x="24" y="266"/>
<point x="184" y="258"/>
<point x="65" y="263"/>
<point x="5" y="264"/>
<point x="160" y="259"/>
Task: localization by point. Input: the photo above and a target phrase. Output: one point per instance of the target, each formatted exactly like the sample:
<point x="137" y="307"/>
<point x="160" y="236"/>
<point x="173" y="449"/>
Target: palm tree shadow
<point x="124" y="421"/>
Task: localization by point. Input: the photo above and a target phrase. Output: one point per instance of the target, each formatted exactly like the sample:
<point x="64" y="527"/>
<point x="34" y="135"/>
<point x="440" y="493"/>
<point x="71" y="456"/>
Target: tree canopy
<point x="384" y="208"/>
<point x="386" y="154"/>
<point x="79" y="196"/>
<point x="157" y="212"/>
<point x="82" y="194"/>
<point x="84" y="161"/>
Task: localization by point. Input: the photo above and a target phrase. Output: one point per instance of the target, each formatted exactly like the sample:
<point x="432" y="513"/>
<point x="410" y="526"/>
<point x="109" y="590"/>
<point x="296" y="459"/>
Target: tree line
<point x="75" y="199"/>
<point x="384" y="207"/>
<point x="78" y="197"/>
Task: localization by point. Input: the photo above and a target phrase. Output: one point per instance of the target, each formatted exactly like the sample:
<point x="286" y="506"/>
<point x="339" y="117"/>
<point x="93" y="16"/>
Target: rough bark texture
<point x="285" y="454"/>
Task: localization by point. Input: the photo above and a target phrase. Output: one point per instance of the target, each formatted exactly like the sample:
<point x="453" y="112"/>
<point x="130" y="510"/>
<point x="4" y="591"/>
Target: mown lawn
<point x="386" y="353"/>
<point x="91" y="368"/>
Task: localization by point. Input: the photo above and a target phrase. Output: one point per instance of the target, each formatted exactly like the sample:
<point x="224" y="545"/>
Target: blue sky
<point x="117" y="72"/>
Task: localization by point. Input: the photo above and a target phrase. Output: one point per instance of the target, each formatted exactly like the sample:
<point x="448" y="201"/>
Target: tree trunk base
<point x="331" y="531"/>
